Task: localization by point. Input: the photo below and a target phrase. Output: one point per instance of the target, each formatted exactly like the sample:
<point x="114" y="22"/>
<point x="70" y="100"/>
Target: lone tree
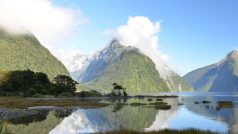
<point x="118" y="90"/>
<point x="65" y="84"/>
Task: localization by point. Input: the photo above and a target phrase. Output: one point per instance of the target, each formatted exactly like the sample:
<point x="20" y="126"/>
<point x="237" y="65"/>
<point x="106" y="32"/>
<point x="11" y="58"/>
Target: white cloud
<point x="73" y="59"/>
<point x="47" y="21"/>
<point x="141" y="32"/>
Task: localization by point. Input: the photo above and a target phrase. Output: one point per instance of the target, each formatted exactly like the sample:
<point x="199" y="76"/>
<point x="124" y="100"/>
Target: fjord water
<point x="120" y="115"/>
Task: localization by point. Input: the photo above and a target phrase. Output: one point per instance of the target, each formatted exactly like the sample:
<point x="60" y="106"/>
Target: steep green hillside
<point x="24" y="51"/>
<point x="4" y="76"/>
<point x="219" y="77"/>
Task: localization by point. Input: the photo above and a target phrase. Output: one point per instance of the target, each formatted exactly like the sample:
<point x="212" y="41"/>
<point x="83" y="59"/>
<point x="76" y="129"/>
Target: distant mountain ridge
<point x="127" y="66"/>
<point x="219" y="77"/>
<point x="24" y="51"/>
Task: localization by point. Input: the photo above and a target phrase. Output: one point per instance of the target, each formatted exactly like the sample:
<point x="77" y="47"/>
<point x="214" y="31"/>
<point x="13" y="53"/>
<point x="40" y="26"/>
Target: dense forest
<point x="28" y="83"/>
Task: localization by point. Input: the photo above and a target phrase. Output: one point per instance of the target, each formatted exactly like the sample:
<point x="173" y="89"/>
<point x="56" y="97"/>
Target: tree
<point x="42" y="78"/>
<point x="118" y="90"/>
<point x="124" y="93"/>
<point x="65" y="84"/>
<point x="21" y="80"/>
<point x="28" y="83"/>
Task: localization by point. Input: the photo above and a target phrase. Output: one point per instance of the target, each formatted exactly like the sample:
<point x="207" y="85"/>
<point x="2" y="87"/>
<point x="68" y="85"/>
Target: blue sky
<point x="193" y="33"/>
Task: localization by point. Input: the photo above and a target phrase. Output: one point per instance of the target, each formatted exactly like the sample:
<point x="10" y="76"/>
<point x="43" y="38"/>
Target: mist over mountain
<point x="218" y="77"/>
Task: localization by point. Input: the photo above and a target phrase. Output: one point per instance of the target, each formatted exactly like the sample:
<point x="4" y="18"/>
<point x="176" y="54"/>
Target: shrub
<point x="65" y="94"/>
<point x="37" y="96"/>
<point x="91" y="93"/>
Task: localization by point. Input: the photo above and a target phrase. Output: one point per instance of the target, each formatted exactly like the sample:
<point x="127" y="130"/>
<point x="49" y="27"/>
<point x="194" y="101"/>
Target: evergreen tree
<point x="65" y="84"/>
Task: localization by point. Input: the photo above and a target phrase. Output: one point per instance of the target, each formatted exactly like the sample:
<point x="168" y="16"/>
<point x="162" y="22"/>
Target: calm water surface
<point x="120" y="115"/>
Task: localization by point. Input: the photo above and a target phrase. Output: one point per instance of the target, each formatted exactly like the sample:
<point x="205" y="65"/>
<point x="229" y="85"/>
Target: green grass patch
<point x="18" y="102"/>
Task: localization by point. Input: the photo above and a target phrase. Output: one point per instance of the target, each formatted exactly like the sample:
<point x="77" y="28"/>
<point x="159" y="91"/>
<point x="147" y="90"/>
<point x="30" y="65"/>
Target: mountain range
<point x="218" y="77"/>
<point x="129" y="67"/>
<point x="116" y="63"/>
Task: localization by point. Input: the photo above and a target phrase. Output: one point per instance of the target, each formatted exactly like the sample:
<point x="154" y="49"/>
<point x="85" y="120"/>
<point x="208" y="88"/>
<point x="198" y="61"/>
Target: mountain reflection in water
<point x="121" y="115"/>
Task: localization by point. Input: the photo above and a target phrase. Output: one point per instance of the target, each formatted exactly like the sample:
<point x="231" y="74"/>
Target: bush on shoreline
<point x="91" y="93"/>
